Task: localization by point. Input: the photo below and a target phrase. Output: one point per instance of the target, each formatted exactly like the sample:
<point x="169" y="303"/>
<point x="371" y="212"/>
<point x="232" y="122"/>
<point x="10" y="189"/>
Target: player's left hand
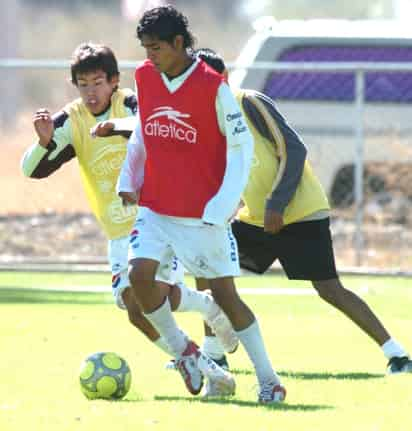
<point x="129" y="198"/>
<point x="273" y="221"/>
<point x="102" y="129"/>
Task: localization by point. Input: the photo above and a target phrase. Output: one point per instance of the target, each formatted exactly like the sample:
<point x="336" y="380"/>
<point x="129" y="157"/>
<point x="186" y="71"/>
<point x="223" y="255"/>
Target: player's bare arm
<point x="43" y="125"/>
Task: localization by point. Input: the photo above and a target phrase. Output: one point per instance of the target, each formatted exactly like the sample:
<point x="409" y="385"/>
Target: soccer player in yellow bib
<point x="286" y="217"/>
<point x="65" y="136"/>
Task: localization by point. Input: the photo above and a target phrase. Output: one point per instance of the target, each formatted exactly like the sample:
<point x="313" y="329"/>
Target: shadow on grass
<point x="240" y="403"/>
<point x="17" y="295"/>
<point x="300" y="375"/>
<point x="227" y="401"/>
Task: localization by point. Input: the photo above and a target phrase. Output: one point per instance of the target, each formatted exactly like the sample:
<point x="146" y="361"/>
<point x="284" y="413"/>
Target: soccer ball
<point x="105" y="375"/>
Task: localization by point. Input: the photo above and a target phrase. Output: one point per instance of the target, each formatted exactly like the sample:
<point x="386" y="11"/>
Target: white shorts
<point x="206" y="251"/>
<point x="171" y="271"/>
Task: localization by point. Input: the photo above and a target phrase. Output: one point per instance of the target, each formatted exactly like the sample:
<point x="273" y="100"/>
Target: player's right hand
<point x="102" y="129"/>
<point x="273" y="221"/>
<point x="44" y="127"/>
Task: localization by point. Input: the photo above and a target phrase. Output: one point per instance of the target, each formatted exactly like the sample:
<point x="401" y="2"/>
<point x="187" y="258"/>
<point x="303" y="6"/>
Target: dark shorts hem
<point x="303" y="249"/>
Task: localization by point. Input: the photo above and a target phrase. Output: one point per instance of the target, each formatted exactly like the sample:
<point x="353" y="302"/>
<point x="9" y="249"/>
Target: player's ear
<point x="115" y="80"/>
<point x="178" y="42"/>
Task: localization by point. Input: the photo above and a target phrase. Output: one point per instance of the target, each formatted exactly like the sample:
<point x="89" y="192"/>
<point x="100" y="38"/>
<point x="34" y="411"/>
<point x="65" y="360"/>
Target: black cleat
<point x="222" y="362"/>
<point x="399" y="364"/>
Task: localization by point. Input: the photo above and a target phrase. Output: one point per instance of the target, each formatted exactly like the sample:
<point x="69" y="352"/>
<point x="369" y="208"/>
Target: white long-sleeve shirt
<point x="239" y="156"/>
<point x="131" y="175"/>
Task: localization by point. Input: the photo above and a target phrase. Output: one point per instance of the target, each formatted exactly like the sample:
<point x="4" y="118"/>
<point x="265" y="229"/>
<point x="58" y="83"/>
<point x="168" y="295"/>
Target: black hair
<point x="165" y="23"/>
<point x="90" y="57"/>
<point x="212" y="58"/>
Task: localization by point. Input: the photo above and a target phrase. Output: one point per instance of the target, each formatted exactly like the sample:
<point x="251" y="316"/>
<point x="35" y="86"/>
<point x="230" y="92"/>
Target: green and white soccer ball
<point x="105" y="375"/>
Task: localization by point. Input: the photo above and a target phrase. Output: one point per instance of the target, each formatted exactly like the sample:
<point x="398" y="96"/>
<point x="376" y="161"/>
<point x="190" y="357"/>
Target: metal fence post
<point x="359" y="163"/>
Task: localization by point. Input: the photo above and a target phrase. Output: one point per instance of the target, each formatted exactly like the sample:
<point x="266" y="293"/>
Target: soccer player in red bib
<point x="66" y="136"/>
<point x="198" y="155"/>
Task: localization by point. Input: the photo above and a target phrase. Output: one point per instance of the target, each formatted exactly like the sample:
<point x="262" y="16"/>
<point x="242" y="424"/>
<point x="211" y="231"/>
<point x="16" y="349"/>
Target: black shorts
<point x="304" y="249"/>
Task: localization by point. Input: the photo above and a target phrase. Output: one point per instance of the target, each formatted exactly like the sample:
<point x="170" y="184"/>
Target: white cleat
<point x="187" y="365"/>
<point x="214" y="388"/>
<point x="271" y="393"/>
<point x="219" y="381"/>
<point x="171" y="365"/>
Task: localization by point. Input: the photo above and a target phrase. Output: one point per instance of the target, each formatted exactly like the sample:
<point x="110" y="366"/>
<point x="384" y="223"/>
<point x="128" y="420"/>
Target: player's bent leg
<point x="192" y="361"/>
<point x="136" y="316"/>
<point x="202" y="285"/>
<point x="225" y="294"/>
<point x="248" y="331"/>
<point x="184" y="351"/>
<point x="182" y="299"/>
<point x="353" y="307"/>
<point x="359" y="312"/>
<point x="203" y="303"/>
<point x="174" y="295"/>
<point x="142" y="280"/>
<point x="211" y="344"/>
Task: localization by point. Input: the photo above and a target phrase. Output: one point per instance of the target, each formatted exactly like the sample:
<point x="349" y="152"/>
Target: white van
<point x="320" y="105"/>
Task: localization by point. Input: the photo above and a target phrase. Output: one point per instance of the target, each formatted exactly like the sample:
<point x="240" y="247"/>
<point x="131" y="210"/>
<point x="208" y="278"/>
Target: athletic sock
<point x="162" y="319"/>
<point x="162" y="345"/>
<point x="252" y="341"/>
<point x="392" y="348"/>
<point x="212" y="347"/>
<point x="193" y="300"/>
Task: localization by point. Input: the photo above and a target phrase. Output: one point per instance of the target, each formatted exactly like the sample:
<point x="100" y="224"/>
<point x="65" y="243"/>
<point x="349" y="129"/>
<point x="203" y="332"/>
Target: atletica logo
<point x="176" y="128"/>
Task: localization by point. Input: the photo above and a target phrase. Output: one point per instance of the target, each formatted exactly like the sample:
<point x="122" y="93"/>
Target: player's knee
<point x="203" y="285"/>
<point x="128" y="298"/>
<point x="173" y="292"/>
<point x="136" y="276"/>
<point x="329" y="290"/>
<point x="135" y="315"/>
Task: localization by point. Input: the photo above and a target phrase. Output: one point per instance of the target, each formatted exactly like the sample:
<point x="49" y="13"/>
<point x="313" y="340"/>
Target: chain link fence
<point x="355" y="119"/>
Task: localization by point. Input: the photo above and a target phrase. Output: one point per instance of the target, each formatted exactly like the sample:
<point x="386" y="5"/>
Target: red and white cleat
<point x="271" y="393"/>
<point x="187" y="365"/>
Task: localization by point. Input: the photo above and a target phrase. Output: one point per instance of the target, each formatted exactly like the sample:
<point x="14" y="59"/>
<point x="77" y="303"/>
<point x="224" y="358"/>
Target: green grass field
<point x="333" y="373"/>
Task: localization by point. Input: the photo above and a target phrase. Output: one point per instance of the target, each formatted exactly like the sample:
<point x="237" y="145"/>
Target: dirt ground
<point x="43" y="218"/>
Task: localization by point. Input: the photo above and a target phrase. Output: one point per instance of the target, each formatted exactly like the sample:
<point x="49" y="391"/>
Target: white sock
<point x="162" y="345"/>
<point x="392" y="348"/>
<point x="162" y="319"/>
<point x="193" y="300"/>
<point x="252" y="341"/>
<point x="212" y="347"/>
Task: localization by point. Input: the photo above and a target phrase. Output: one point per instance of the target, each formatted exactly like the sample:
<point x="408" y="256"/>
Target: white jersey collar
<point x="174" y="84"/>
